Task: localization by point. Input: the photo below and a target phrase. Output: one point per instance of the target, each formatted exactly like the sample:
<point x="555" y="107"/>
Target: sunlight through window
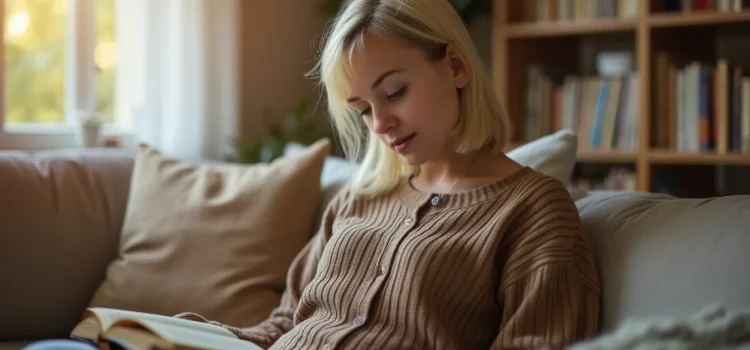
<point x="17" y="24"/>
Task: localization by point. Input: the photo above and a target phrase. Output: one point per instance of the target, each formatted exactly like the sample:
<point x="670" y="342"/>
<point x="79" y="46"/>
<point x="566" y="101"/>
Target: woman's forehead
<point x="375" y="57"/>
<point x="374" y="50"/>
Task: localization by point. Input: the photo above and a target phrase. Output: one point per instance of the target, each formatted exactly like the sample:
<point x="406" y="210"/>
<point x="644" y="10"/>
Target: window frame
<point x="79" y="86"/>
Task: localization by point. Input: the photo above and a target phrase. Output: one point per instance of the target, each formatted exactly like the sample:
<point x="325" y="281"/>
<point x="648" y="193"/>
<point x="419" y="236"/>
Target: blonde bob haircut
<point x="430" y="26"/>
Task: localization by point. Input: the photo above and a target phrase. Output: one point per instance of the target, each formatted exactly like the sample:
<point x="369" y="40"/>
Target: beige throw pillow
<point x="213" y="239"/>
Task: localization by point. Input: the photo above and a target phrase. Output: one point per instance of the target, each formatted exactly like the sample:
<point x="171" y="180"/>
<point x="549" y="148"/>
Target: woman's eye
<point x="397" y="94"/>
<point x="366" y="112"/>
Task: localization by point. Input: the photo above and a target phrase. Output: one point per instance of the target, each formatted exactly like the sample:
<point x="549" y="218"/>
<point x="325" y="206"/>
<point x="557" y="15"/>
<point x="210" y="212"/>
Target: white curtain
<point x="177" y="86"/>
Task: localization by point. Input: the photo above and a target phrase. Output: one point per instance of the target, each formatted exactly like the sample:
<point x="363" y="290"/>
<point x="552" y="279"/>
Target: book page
<point x="132" y="338"/>
<point x="184" y="337"/>
<point x="88" y="329"/>
<point x="108" y="317"/>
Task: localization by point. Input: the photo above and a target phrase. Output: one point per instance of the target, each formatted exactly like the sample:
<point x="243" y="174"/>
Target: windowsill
<point x="35" y="137"/>
<point x="38" y="129"/>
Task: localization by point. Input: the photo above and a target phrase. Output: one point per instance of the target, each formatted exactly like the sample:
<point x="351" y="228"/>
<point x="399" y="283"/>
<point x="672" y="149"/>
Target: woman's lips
<point x="400" y="145"/>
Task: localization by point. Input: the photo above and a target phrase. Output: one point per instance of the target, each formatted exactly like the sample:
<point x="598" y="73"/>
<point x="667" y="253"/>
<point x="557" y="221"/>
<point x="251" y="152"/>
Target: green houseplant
<point x="297" y="126"/>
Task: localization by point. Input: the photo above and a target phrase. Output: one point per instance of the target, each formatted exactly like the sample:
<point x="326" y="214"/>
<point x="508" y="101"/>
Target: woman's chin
<point x="412" y="159"/>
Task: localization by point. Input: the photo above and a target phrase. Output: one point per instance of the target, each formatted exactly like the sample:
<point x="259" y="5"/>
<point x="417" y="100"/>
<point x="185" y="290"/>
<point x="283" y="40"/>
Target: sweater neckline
<point x="412" y="197"/>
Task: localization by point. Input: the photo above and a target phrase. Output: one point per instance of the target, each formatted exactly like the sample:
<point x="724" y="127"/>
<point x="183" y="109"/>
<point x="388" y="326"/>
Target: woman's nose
<point x="382" y="120"/>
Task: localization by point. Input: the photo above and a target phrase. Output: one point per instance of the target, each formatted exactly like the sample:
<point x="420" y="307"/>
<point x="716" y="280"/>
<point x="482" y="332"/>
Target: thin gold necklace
<point x="438" y="198"/>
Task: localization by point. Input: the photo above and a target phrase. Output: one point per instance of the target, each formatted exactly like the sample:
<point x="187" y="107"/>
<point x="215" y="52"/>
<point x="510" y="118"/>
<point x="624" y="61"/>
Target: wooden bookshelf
<point x="707" y="18"/>
<point x="672" y="157"/>
<point x="565" y="28"/>
<point x="520" y="42"/>
<point x="614" y="156"/>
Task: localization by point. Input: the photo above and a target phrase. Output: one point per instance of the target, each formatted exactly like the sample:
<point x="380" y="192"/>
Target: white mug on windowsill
<point x="89" y="128"/>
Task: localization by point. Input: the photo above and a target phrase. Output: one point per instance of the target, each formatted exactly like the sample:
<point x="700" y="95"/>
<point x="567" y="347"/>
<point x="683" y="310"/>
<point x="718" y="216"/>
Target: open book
<point x="137" y="330"/>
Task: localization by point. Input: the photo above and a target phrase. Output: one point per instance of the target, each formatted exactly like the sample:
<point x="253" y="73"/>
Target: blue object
<point x="61" y="344"/>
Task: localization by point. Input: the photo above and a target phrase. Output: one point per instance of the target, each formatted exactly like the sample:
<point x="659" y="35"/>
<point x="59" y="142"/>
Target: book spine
<point x="737" y="5"/>
<point x="680" y="108"/>
<point x="736" y="108"/>
<point x="723" y="5"/>
<point x="722" y="103"/>
<point x="622" y="115"/>
<point x="694" y="98"/>
<point x="745" y="115"/>
<point x="601" y="104"/>
<point x="704" y="129"/>
<point x="634" y="115"/>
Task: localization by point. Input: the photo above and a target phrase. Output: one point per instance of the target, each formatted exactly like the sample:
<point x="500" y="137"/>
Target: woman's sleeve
<point x="301" y="272"/>
<point x="549" y="286"/>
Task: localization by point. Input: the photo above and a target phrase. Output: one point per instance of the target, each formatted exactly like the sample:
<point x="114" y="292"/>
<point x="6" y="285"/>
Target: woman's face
<point x="411" y="103"/>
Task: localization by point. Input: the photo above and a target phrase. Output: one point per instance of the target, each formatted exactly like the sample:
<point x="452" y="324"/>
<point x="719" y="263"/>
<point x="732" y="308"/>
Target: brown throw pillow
<point x="215" y="239"/>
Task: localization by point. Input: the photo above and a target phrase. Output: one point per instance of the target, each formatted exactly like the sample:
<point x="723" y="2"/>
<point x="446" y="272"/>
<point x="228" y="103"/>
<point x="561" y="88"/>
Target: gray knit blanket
<point x="713" y="328"/>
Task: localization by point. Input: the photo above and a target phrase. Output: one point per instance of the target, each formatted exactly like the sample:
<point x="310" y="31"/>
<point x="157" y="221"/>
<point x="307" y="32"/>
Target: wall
<point x="279" y="39"/>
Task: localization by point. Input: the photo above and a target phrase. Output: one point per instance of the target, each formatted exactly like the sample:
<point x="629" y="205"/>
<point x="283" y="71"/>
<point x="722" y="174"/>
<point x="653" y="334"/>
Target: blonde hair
<point x="428" y="25"/>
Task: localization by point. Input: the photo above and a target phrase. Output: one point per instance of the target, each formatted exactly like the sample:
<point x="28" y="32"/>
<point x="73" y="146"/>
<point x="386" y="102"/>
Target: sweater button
<point x="435" y="201"/>
<point x="408" y="222"/>
<point x="327" y="347"/>
<point x="358" y="320"/>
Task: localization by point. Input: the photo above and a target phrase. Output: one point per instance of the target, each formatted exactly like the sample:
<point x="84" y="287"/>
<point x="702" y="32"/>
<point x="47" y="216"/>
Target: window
<point x="60" y="58"/>
<point x="34" y="43"/>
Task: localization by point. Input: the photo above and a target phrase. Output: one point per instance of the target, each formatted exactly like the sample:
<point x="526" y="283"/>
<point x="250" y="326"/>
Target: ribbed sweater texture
<point x="502" y="266"/>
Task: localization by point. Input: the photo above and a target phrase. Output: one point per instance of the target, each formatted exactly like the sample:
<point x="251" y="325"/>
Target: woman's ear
<point x="458" y="66"/>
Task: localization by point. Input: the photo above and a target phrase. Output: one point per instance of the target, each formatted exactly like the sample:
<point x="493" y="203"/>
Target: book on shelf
<point x="701" y="106"/>
<point x="687" y="6"/>
<point x="576" y="10"/>
<point x="602" y="110"/>
<point x="138" y="330"/>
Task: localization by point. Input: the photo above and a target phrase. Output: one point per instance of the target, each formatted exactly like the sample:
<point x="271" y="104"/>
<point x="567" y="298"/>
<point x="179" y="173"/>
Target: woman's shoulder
<point x="522" y="182"/>
<point x="537" y="185"/>
<point x="537" y="195"/>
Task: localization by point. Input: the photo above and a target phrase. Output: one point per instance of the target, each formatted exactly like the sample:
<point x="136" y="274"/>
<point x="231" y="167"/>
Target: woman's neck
<point x="441" y="175"/>
<point x="460" y="172"/>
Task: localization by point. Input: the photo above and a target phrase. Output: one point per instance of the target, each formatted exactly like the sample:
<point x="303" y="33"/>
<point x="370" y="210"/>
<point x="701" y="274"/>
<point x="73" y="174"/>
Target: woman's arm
<point x="549" y="286"/>
<point x="301" y="272"/>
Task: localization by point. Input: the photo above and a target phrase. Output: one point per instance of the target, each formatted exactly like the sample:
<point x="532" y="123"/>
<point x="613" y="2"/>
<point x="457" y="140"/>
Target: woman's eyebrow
<point x="377" y="82"/>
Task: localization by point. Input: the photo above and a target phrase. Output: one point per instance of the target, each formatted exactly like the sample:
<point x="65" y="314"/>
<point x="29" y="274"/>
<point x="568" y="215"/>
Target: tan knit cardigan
<point x="504" y="266"/>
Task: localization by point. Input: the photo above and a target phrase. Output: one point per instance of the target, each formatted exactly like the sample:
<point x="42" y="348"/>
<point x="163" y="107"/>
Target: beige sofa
<point x="59" y="226"/>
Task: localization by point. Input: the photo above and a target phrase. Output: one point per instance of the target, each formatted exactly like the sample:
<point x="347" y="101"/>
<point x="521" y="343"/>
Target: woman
<point x="441" y="241"/>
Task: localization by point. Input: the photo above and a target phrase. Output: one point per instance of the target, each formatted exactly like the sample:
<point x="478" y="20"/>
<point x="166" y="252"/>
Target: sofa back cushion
<point x="659" y="256"/>
<point x="60" y="219"/>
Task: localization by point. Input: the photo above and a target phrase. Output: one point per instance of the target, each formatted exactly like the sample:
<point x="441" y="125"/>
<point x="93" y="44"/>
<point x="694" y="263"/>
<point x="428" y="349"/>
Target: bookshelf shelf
<point x="673" y="157"/>
<point x="568" y="28"/>
<point x="613" y="156"/>
<point x="704" y="18"/>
